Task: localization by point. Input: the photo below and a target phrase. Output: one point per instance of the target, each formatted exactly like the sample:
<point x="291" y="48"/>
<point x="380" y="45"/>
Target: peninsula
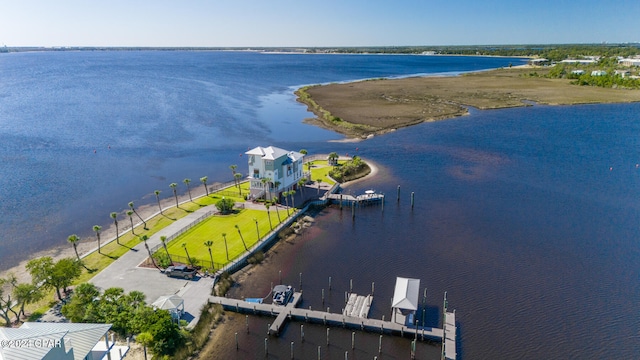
<point x="365" y="108"/>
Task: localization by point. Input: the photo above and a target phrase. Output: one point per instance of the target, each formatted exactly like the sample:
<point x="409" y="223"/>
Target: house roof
<point x="79" y="337"/>
<point x="406" y="294"/>
<point x="272" y="153"/>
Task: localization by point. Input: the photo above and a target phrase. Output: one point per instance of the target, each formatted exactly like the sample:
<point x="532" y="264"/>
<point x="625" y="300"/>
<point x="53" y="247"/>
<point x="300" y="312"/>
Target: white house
<point x="279" y="169"/>
<point x="598" y="73"/>
<point x="59" y="341"/>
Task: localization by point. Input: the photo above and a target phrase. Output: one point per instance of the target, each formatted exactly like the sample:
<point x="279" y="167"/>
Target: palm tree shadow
<point x="128" y="247"/>
<point x="110" y="256"/>
<point x="170" y="218"/>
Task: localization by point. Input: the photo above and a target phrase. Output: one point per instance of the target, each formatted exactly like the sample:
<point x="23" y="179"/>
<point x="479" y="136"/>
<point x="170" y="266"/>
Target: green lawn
<point x="320" y="170"/>
<point x="215" y="226"/>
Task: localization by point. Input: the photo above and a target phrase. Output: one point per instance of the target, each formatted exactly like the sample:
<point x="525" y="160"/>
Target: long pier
<point x="447" y="335"/>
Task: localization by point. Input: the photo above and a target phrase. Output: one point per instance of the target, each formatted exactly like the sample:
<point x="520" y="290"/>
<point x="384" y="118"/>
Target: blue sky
<point x="246" y="23"/>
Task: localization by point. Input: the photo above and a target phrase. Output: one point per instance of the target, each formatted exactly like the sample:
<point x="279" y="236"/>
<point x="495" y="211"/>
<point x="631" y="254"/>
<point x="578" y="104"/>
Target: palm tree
<point x="187" y="182"/>
<point x="333" y="158"/>
<point x="301" y="184"/>
<point x="157" y="192"/>
<point x="130" y="213"/>
<point x="277" y="212"/>
<point x="276" y="185"/>
<point x="264" y="186"/>
<point x="164" y="244"/>
<point x="204" y="182"/>
<point x="241" y="238"/>
<point x="309" y="165"/>
<point x="173" y="186"/>
<point x="97" y="229"/>
<point x="233" y="171"/>
<point x="184" y="246"/>
<point x="237" y="177"/>
<point x="209" y="244"/>
<point x="226" y="249"/>
<point x="286" y="200"/>
<point x="114" y="216"/>
<point x="292" y="193"/>
<point x="319" y="180"/>
<point x="139" y="217"/>
<point x="266" y="205"/>
<point x="303" y="151"/>
<point x="74" y="239"/>
<point x="257" y="228"/>
<point x="145" y="238"/>
<point x="269" y="187"/>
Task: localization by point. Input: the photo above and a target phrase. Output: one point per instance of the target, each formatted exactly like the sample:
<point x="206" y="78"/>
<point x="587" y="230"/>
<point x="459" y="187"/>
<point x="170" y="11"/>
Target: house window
<point x="256" y="173"/>
<point x="288" y="170"/>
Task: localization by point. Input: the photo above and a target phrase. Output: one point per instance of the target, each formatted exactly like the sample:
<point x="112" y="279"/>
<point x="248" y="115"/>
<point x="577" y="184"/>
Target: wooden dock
<point x="360" y="199"/>
<point x="290" y="312"/>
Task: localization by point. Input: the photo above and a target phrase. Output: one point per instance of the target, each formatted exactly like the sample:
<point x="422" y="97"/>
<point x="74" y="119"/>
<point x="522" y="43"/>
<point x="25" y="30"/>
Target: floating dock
<point x="358" y="306"/>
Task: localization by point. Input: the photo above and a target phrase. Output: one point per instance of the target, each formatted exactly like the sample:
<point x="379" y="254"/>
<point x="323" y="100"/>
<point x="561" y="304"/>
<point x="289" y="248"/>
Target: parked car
<point x="180" y="271"/>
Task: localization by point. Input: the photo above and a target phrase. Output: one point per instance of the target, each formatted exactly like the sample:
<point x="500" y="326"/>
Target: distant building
<point x="598" y="73"/>
<point x="539" y="62"/>
<point x="59" y="341"/>
<point x="629" y="62"/>
<point x="623" y="73"/>
<point x="577" y="72"/>
<point x="278" y="166"/>
<point x="579" y="61"/>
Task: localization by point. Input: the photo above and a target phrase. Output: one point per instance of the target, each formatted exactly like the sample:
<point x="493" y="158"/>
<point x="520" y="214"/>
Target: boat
<point x="282" y="294"/>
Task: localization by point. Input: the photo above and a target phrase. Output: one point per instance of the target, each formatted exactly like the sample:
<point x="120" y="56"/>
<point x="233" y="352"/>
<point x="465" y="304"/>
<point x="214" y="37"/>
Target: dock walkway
<point x="290" y="311"/>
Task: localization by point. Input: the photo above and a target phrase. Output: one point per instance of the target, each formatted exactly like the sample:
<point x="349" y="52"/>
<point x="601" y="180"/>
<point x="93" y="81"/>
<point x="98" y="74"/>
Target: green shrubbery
<point x="350" y="170"/>
<point x="128" y="314"/>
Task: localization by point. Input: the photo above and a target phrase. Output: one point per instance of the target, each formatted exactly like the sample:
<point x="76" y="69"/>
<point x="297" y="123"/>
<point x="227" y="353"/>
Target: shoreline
<point x="365" y="108"/>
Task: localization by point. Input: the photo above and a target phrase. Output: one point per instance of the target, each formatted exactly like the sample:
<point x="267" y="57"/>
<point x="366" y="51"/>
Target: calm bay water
<point x="527" y="217"/>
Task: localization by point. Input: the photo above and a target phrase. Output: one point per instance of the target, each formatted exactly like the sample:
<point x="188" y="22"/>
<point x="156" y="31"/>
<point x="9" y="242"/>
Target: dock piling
<point x="353" y="340"/>
<point x="301" y="333"/>
<point x="292" y="350"/>
<point x="373" y="284"/>
<point x="327" y="336"/>
<point x="237" y="346"/>
<point x="246" y="320"/>
<point x="300" y="280"/>
<point x="266" y="347"/>
<point x="329" y="283"/>
<point x="380" y="345"/>
<point x="398" y="193"/>
<point x="412" y="199"/>
<point x="322" y="296"/>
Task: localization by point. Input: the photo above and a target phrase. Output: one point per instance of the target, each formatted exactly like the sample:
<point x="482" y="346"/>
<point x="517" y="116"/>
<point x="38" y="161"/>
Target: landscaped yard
<point x="213" y="228"/>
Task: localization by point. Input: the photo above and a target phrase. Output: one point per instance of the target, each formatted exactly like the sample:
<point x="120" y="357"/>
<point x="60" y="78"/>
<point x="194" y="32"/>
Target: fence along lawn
<point x="215" y="226"/>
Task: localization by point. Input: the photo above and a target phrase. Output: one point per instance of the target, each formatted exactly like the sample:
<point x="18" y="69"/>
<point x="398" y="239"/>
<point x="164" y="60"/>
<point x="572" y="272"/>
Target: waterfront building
<point x="273" y="170"/>
<point x="405" y="300"/>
